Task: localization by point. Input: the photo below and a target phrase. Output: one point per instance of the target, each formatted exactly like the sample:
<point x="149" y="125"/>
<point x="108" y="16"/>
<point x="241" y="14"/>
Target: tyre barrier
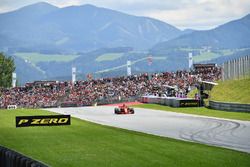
<point x="229" y="106"/>
<point x="10" y="158"/>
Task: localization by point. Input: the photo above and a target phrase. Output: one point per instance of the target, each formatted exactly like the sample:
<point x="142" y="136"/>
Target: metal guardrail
<point x="229" y="106"/>
<point x="10" y="158"/>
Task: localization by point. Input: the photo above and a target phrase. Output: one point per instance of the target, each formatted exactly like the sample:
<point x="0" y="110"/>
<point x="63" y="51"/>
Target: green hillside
<point x="232" y="91"/>
<point x="35" y="57"/>
<point x="108" y="57"/>
<point x="206" y="56"/>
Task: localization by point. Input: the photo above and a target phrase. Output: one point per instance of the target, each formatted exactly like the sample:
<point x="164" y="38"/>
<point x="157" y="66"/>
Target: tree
<point x="7" y="67"/>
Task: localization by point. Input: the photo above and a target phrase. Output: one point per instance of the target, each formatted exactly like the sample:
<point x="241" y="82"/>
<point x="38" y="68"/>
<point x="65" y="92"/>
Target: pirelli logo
<point x="47" y="120"/>
<point x="189" y="103"/>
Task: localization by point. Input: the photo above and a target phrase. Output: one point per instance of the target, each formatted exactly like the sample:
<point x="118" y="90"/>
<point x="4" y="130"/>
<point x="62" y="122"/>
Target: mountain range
<point x="234" y="34"/>
<point x="103" y="40"/>
<point x="44" y="27"/>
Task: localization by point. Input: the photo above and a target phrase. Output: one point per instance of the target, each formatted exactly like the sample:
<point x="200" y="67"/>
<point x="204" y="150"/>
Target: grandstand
<point x="42" y="94"/>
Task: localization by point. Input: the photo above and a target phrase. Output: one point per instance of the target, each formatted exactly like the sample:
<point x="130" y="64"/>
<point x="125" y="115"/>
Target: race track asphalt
<point x="226" y="133"/>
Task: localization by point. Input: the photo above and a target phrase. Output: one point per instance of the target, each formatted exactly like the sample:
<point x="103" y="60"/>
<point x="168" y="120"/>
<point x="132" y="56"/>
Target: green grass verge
<point x="34" y="57"/>
<point x="232" y="91"/>
<point x="108" y="57"/>
<point x="199" y="111"/>
<point x="92" y="145"/>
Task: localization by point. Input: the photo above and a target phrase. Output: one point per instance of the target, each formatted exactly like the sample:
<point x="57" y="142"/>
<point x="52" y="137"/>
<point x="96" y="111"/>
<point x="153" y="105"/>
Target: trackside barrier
<point x="115" y="101"/>
<point x="10" y="158"/>
<point x="229" y="106"/>
<point x="170" y="101"/>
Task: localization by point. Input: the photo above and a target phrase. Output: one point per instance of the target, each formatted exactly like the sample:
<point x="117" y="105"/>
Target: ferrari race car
<point x="124" y="110"/>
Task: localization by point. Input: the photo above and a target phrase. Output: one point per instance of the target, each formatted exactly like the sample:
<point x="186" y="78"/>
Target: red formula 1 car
<point x="124" y="110"/>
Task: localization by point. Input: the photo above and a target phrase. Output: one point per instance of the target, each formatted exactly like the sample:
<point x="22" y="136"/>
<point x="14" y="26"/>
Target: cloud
<point x="203" y="14"/>
<point x="197" y="14"/>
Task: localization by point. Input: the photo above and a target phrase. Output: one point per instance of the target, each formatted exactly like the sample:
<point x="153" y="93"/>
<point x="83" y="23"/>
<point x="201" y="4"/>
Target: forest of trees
<point x="7" y="67"/>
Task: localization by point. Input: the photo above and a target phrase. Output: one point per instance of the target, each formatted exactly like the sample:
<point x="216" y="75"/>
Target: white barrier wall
<point x="229" y="106"/>
<point x="170" y="101"/>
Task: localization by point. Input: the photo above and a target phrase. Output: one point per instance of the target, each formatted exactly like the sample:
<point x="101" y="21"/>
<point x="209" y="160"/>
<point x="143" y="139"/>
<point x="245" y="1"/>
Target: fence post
<point x="223" y="72"/>
<point x="248" y="72"/>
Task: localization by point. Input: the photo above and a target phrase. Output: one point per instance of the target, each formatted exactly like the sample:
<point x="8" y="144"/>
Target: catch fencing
<point x="236" y="69"/>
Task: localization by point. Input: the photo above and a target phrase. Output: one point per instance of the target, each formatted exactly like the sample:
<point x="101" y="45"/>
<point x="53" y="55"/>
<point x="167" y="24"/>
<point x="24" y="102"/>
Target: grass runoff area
<point x="92" y="145"/>
<point x="199" y="111"/>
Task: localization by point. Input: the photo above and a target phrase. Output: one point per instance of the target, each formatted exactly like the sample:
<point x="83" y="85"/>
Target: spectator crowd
<point x="105" y="90"/>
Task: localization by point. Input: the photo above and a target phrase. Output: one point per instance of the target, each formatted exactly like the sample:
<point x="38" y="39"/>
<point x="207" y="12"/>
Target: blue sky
<point x="196" y="14"/>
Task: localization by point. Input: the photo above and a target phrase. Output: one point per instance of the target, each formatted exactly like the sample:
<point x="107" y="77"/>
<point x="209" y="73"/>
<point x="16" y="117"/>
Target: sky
<point x="183" y="14"/>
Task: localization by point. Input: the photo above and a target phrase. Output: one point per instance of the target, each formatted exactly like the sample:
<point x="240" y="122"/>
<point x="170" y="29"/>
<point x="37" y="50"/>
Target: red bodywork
<point x="124" y="110"/>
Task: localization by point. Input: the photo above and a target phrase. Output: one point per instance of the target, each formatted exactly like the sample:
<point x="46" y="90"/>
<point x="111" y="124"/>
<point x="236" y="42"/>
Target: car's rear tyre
<point x="117" y="110"/>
